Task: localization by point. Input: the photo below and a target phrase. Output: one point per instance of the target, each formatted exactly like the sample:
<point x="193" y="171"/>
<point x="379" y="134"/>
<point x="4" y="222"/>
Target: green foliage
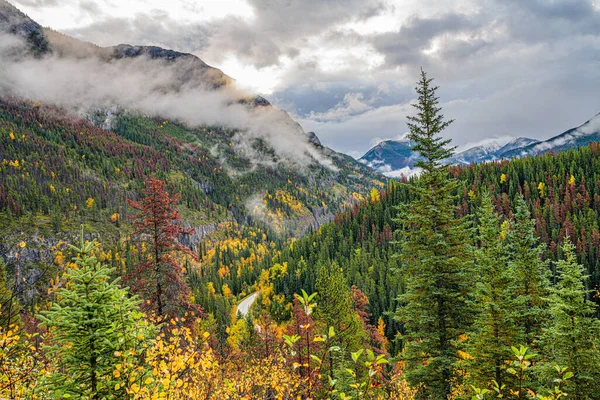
<point x="91" y="321"/>
<point x="531" y="274"/>
<point x="336" y="308"/>
<point x="436" y="263"/>
<point x="494" y="329"/>
<point x="571" y="338"/>
<point x="521" y="369"/>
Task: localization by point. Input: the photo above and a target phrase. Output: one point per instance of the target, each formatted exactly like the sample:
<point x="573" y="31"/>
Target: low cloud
<point x="155" y="88"/>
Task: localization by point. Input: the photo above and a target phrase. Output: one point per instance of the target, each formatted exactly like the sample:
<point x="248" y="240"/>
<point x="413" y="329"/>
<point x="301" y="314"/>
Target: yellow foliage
<point x="504" y="229"/>
<point x="21" y="367"/>
<point x="542" y="189"/>
<point x="374" y="195"/>
<point x="472" y="195"/>
<point x="226" y="291"/>
<point x="381" y="330"/>
<point x="238" y="333"/>
<point x="89" y="203"/>
<point x="503" y="178"/>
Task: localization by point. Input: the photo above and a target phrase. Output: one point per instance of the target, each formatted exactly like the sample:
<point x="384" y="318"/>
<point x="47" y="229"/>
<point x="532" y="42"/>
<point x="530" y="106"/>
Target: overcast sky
<point x="346" y="68"/>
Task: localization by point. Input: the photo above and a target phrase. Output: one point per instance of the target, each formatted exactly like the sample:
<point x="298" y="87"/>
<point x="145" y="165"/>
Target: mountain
<point x="515" y="144"/>
<point x="395" y="157"/>
<point x="14" y="22"/>
<point x="477" y="154"/>
<point x="570" y="139"/>
<point x="390" y="155"/>
<point x="242" y="160"/>
<point x="493" y="150"/>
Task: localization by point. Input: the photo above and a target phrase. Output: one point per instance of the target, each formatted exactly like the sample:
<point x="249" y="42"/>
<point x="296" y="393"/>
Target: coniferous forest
<point x="122" y="275"/>
<point x="166" y="233"/>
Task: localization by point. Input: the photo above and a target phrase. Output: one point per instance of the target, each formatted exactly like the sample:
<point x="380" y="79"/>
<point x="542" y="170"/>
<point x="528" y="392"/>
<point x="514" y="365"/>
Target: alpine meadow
<point x="377" y="204"/>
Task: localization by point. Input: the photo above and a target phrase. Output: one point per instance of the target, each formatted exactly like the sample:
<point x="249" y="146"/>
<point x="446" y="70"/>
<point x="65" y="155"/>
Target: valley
<point x="166" y="234"/>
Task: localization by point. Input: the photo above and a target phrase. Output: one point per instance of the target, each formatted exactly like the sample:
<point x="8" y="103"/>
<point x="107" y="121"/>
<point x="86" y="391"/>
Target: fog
<point x="87" y="81"/>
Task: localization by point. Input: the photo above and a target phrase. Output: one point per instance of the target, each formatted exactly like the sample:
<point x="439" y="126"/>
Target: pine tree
<point x="435" y="257"/>
<point x="158" y="278"/>
<point x="531" y="274"/>
<point x="93" y="318"/>
<point x="572" y="337"/>
<point x="494" y="329"/>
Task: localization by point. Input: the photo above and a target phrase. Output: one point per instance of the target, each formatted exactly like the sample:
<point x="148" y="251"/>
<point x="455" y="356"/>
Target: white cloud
<point x="506" y="68"/>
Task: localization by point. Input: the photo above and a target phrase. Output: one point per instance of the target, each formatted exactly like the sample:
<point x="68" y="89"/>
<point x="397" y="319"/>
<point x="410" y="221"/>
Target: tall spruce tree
<point x="494" y="330"/>
<point x="435" y="254"/>
<point x="572" y="337"/>
<point x="93" y="318"/>
<point x="531" y="274"/>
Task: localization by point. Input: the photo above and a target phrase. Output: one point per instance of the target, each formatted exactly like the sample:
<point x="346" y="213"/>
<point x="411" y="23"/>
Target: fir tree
<point x="92" y="319"/>
<point x="531" y="274"/>
<point x="571" y="339"/>
<point x="159" y="278"/>
<point x="494" y="331"/>
<point x="435" y="256"/>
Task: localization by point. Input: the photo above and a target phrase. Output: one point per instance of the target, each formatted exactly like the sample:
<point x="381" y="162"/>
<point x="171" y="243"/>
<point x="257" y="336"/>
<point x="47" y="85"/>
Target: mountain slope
<point x="570" y="139"/>
<point x="390" y="155"/>
<point x="361" y="239"/>
<point x="491" y="151"/>
<point x="258" y="168"/>
<point x="515" y="144"/>
<point x="476" y="154"/>
<point x="14" y="22"/>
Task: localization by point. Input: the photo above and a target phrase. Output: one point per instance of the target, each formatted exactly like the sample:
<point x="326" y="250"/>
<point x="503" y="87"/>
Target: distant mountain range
<point x="392" y="157"/>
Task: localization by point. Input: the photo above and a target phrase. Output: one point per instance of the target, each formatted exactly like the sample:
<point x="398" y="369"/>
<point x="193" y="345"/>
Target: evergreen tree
<point x="159" y="278"/>
<point x="531" y="274"/>
<point x="336" y="308"/>
<point x="494" y="329"/>
<point x="435" y="255"/>
<point x="572" y="338"/>
<point x="92" y="319"/>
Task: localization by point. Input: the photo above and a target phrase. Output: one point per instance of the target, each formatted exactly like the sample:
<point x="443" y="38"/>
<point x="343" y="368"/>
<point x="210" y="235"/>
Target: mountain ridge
<point x="387" y="162"/>
<point x="257" y="180"/>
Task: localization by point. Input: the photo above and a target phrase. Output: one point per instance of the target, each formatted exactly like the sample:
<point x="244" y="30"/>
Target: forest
<point x="464" y="282"/>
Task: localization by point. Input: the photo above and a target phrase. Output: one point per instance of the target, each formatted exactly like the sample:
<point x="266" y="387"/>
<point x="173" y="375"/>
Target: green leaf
<point x="356" y="355"/>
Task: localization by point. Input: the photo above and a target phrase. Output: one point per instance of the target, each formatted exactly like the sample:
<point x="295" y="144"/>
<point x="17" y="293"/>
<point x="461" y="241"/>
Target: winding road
<point x="244" y="306"/>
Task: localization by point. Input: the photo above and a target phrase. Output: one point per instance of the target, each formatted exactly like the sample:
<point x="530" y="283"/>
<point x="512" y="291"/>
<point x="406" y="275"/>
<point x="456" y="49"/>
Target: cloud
<point x="347" y="69"/>
<point x="274" y="30"/>
<point x="489" y="142"/>
<point x="39" y="3"/>
<point x="156" y="28"/>
<point x="156" y="88"/>
<point x="353" y="104"/>
<point x="408" y="46"/>
<point x="405" y="172"/>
